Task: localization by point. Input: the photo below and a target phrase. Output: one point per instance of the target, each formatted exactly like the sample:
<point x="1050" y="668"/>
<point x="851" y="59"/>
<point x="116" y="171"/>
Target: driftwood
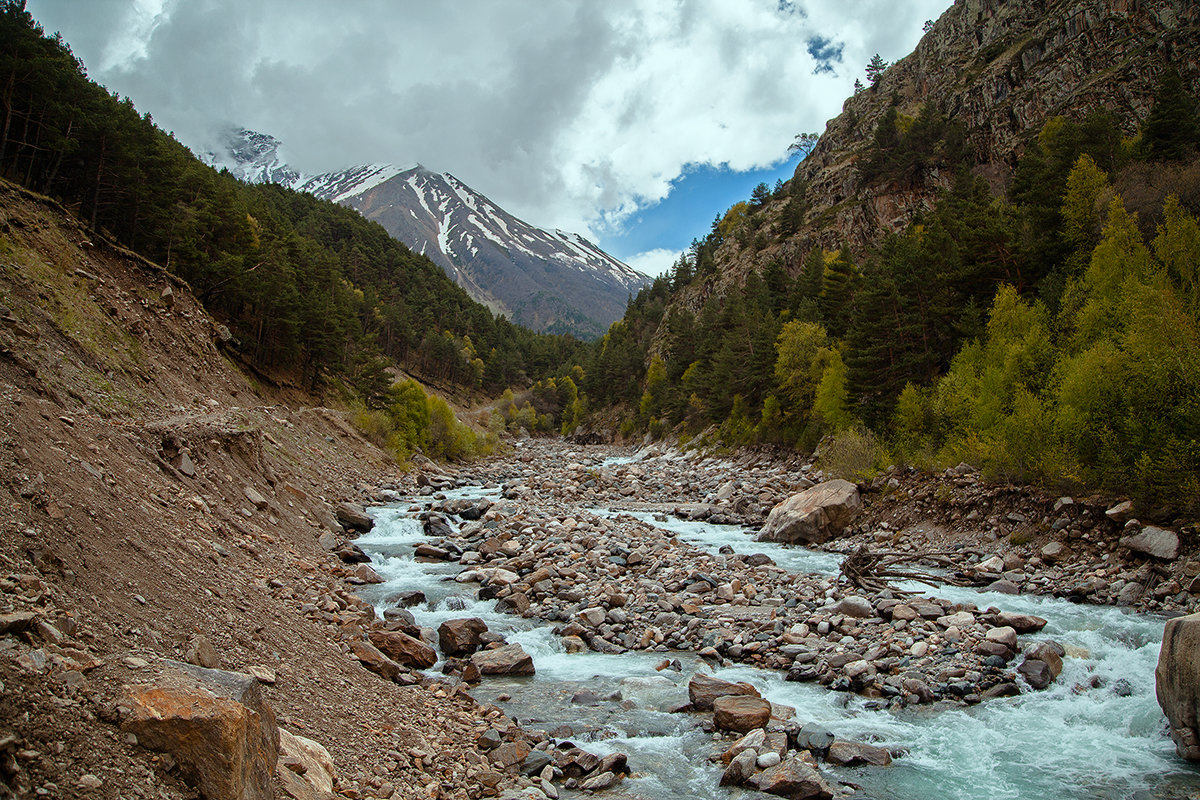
<point x="874" y="571"/>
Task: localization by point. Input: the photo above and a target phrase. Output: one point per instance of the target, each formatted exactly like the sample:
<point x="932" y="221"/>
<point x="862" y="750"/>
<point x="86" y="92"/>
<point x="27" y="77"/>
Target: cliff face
<point x="1001" y="68"/>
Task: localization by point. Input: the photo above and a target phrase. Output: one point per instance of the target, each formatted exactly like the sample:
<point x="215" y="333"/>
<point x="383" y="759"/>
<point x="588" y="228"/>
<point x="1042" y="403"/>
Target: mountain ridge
<point x="549" y="281"/>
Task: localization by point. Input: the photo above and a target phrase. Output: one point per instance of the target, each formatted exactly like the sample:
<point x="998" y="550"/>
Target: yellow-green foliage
<point x="854" y="454"/>
<point x="413" y="421"/>
<point x="1112" y="401"/>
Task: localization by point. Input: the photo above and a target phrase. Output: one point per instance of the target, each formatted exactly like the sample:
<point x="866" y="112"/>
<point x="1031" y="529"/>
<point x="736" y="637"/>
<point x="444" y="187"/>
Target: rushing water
<point x="1095" y="733"/>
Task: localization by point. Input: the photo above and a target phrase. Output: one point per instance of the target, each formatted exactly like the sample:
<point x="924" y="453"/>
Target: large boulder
<point x="813" y="516"/>
<point x="460" y="637"/>
<point x="1177" y="683"/>
<point x="508" y="660"/>
<point x="1155" y="542"/>
<point x="215" y="725"/>
<point x="404" y="649"/>
<point x="703" y="690"/>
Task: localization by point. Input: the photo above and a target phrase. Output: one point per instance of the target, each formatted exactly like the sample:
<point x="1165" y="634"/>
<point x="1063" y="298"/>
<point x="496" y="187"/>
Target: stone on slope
<point x="215" y="725"/>
<point x="1155" y="542"/>
<point x="354" y="517"/>
<point x="404" y="649"/>
<point x="304" y="768"/>
<point x="813" y="516"/>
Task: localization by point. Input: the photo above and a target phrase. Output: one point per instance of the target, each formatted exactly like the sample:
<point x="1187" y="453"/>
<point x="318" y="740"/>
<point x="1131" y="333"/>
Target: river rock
<point x="354" y="517"/>
<point x="461" y="637"/>
<point x="813" y="516"/>
<point x="508" y="660"/>
<point x="1177" y="683"/>
<point x="852" y="754"/>
<point x="510" y="755"/>
<point x="404" y="649"/>
<point x="1004" y="635"/>
<point x="1037" y="673"/>
<point x="741" y="768"/>
<point x="741" y="713"/>
<point x="215" y="725"/>
<point x="1155" y="542"/>
<point x="854" y="606"/>
<point x="792" y="778"/>
<point x="1049" y="652"/>
<point x="1021" y="623"/>
<point x="704" y="689"/>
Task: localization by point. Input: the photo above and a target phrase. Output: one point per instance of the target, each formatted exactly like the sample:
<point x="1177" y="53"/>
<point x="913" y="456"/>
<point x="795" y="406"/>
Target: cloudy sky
<point x="633" y="122"/>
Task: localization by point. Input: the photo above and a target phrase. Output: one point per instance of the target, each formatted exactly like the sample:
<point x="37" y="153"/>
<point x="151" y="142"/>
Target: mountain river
<point x="1097" y="732"/>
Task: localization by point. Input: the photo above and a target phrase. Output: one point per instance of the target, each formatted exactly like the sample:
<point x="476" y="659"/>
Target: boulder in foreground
<point x="1177" y="683"/>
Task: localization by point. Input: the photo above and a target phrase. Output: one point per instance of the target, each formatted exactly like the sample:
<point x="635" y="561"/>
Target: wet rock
<point x="461" y="637"/>
<point x="602" y="781"/>
<point x="793" y="778"/>
<point x="508" y="660"/>
<point x="1036" y="672"/>
<point x="813" y="516"/>
<point x="215" y="725"/>
<point x="1021" y="623"/>
<point x="741" y="768"/>
<point x="813" y="737"/>
<point x="1155" y="542"/>
<point x="853" y="754"/>
<point x="741" y="713"/>
<point x="704" y="689"/>
<point x="353" y="517"/>
<point x="404" y="649"/>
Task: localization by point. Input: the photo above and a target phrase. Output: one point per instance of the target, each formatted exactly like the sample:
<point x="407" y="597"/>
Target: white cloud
<point x="654" y="262"/>
<point x="570" y="115"/>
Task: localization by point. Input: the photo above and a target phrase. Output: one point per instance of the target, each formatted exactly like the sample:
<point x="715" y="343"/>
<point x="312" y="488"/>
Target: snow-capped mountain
<point x="549" y="281"/>
<point x="252" y="157"/>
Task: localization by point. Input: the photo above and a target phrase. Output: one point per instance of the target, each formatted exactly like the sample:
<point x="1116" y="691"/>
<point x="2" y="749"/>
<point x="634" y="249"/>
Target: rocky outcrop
<point x="813" y="516"/>
<point x="215" y="724"/>
<point x="1177" y="683"/>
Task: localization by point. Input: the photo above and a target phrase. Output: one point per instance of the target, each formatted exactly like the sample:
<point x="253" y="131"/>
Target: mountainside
<point x="999" y="69"/>
<point x="989" y="257"/>
<point x="550" y="281"/>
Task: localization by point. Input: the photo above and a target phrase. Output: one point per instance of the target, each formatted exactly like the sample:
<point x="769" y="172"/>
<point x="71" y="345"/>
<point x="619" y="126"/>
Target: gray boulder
<point x="813" y="516"/>
<point x="1155" y="542"/>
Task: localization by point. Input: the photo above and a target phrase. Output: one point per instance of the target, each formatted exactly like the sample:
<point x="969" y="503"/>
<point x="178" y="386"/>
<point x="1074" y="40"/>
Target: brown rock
<point x="510" y="754"/>
<point x="508" y="660"/>
<point x="852" y="754"/>
<point x="792" y="778"/>
<point x="375" y="661"/>
<point x="1021" y="623"/>
<point x="460" y="637"/>
<point x="704" y="689"/>
<point x="404" y="649"/>
<point x="741" y="768"/>
<point x="214" y="724"/>
<point x="741" y="713"/>
<point x="354" y="517"/>
<point x="200" y="651"/>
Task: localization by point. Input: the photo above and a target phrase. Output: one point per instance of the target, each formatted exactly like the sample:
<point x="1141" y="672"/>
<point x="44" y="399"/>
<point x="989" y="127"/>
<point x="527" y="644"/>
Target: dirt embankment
<point x="158" y="504"/>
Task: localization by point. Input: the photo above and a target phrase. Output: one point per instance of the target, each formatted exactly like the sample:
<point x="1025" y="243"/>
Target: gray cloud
<point x="568" y="114"/>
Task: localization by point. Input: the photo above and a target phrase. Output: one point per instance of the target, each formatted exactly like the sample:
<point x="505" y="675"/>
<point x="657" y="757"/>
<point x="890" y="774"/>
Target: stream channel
<point x="1068" y="741"/>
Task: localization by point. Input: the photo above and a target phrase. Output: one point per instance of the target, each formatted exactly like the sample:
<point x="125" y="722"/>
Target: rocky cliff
<point x="1000" y="68"/>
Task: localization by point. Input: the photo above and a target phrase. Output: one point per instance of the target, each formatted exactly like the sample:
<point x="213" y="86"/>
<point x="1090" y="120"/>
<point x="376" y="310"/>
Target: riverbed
<point x="1097" y="732"/>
